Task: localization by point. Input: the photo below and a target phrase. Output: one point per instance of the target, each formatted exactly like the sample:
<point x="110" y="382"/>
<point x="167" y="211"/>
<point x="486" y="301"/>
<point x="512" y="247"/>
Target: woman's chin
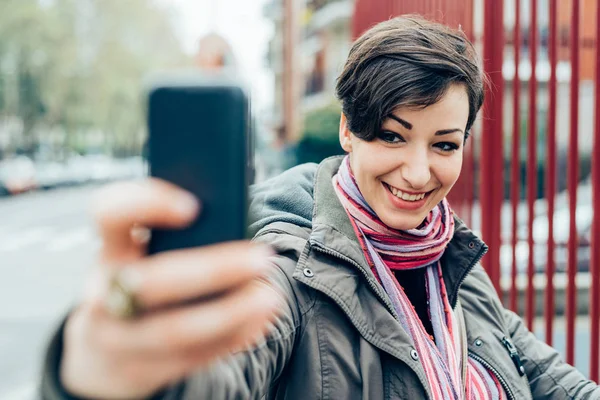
<point x="404" y="222"/>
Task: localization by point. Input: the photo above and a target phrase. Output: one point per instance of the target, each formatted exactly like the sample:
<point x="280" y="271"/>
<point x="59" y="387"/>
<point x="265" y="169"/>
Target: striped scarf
<point x="389" y="249"/>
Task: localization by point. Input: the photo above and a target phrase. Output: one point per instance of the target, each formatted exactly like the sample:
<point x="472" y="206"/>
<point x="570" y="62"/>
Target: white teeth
<point x="406" y="196"/>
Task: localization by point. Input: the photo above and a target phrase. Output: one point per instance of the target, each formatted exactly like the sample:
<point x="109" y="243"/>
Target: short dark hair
<point x="406" y="61"/>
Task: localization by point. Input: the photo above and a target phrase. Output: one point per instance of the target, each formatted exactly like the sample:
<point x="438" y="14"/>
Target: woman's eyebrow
<point x="402" y="122"/>
<point x="409" y="126"/>
<point x="448" y="131"/>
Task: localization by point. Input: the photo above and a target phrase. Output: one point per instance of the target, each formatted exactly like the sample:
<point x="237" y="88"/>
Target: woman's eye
<point x="447" y="146"/>
<point x="390" y="137"/>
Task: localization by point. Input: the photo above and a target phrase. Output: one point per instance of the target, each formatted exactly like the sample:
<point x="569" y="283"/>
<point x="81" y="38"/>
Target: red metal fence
<point x="555" y="46"/>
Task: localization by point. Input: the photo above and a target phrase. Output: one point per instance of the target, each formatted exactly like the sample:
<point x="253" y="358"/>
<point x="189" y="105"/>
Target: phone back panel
<point x="199" y="140"/>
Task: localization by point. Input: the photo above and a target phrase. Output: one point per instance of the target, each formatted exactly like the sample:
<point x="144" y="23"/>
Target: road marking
<point x="19" y="240"/>
<point x="46" y="238"/>
<point x="70" y="239"/>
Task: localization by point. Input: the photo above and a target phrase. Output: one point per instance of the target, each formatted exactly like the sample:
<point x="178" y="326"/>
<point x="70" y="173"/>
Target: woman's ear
<point x="345" y="135"/>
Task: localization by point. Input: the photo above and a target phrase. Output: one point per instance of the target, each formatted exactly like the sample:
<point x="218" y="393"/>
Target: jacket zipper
<point x="373" y="286"/>
<point x="376" y="289"/>
<point x="478" y="258"/>
<point x="514" y="355"/>
<point x="502" y="381"/>
<point x="462" y="279"/>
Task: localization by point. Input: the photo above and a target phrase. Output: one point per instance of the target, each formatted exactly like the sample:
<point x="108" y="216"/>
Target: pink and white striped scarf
<point x="388" y="249"/>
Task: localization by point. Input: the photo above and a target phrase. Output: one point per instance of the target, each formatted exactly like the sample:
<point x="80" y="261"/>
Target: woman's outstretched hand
<point x="198" y="304"/>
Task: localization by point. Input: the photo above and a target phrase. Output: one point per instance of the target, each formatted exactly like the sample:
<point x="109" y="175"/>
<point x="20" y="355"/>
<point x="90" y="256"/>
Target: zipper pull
<point x="514" y="355"/>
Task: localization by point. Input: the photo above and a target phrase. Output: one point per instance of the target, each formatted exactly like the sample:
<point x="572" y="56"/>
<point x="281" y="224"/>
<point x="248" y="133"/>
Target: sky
<point x="241" y="23"/>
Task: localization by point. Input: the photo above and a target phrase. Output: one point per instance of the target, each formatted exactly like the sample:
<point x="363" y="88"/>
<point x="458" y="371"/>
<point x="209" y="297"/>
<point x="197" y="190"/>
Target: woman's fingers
<point x="182" y="275"/>
<point x="207" y="328"/>
<point x="196" y="304"/>
<point x="123" y="210"/>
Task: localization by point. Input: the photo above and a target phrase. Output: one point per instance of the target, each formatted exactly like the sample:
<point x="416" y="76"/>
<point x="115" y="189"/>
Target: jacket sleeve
<point x="245" y="375"/>
<point x="549" y="376"/>
<point x="251" y="374"/>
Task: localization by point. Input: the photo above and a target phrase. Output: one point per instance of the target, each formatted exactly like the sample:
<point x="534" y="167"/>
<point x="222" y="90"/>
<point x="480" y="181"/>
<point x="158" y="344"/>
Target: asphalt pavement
<point x="47" y="245"/>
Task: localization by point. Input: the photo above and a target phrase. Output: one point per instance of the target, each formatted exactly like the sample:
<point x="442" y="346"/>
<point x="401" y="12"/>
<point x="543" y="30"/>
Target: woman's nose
<point x="416" y="172"/>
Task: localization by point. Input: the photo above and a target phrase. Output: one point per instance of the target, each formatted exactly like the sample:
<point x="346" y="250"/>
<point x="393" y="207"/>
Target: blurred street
<point x="47" y="244"/>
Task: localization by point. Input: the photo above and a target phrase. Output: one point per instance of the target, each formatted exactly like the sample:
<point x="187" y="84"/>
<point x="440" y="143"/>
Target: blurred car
<point x="3" y="190"/>
<point x="18" y="174"/>
<point x="583" y="218"/>
<point x="50" y="175"/>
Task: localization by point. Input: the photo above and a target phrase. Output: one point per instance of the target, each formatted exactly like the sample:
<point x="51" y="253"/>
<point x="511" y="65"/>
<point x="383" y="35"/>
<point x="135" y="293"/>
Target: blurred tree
<point x="78" y="65"/>
<point x="22" y="35"/>
<point x="320" y="135"/>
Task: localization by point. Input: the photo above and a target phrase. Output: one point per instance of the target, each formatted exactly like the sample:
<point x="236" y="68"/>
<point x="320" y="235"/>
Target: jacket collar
<point x="333" y="230"/>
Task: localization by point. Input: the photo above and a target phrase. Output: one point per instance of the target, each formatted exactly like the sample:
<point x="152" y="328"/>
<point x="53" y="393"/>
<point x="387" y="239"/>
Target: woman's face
<point x="413" y="162"/>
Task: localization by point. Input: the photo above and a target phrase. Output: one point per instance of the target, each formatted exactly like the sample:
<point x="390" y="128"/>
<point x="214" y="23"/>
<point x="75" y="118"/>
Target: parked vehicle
<point x="50" y="175"/>
<point x="3" y="190"/>
<point x="18" y="174"/>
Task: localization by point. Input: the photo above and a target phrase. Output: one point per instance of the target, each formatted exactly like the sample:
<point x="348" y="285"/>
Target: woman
<point x="381" y="294"/>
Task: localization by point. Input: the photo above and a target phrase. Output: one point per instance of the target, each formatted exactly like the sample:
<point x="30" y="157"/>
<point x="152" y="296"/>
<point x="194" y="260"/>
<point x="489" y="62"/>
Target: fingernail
<point x="140" y="234"/>
<point x="187" y="204"/>
<point x="259" y="256"/>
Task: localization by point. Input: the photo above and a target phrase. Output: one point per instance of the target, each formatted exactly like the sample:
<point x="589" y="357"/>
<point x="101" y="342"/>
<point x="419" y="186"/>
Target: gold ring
<point x="120" y="299"/>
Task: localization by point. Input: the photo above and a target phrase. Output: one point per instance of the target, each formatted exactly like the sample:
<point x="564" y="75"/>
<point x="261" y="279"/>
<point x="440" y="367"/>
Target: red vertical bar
<point x="467" y="24"/>
<point x="499" y="144"/>
<point x="471" y="19"/>
<point x="595" y="244"/>
<point x="516" y="152"/>
<point x="573" y="177"/>
<point x="551" y="172"/>
<point x="498" y="151"/>
<point x="466" y="20"/>
<point x="469" y="179"/>
<point x="491" y="192"/>
<point x="445" y="15"/>
<point x="532" y="161"/>
<point x="485" y="166"/>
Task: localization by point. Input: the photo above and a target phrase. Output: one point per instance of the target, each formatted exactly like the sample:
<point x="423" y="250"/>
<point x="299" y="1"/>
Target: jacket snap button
<point x="471" y="245"/>
<point x="308" y="272"/>
<point x="414" y="355"/>
<point x="478" y="342"/>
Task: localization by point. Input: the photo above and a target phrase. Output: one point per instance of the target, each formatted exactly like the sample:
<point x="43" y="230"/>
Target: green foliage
<point x="320" y="137"/>
<point x="77" y="65"/>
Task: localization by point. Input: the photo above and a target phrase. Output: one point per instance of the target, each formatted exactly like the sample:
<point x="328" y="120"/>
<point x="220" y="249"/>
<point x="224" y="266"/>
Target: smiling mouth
<point x="407" y="196"/>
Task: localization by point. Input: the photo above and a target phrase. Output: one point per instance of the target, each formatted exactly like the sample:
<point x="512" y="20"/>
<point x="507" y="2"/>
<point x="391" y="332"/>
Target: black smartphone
<point x="199" y="138"/>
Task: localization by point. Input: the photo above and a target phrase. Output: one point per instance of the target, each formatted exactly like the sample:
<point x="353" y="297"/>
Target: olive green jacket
<point x="338" y="337"/>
